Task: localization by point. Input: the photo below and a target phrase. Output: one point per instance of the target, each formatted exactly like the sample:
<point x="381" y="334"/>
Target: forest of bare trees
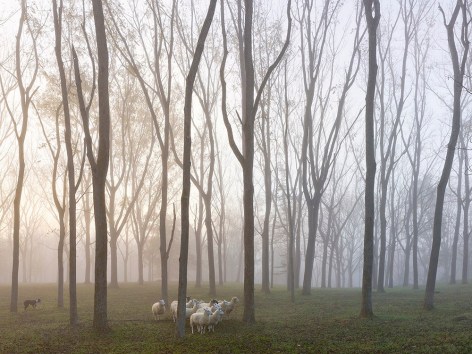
<point x="302" y="143"/>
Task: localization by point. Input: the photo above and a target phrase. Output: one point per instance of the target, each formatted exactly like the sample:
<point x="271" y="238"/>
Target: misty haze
<point x="236" y="176"/>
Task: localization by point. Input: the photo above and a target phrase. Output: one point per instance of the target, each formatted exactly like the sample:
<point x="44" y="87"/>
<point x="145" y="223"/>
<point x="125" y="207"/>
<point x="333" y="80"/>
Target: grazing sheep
<point x="158" y="309"/>
<point x="228" y="306"/>
<point x="215" y="318"/>
<point x="200" y="320"/>
<point x="173" y="307"/>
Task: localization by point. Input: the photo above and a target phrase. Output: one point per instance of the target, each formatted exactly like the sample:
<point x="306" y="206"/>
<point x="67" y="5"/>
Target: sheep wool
<point x="228" y="306"/>
<point x="215" y="318"/>
<point x="200" y="320"/>
<point x="158" y="309"/>
<point x="189" y="306"/>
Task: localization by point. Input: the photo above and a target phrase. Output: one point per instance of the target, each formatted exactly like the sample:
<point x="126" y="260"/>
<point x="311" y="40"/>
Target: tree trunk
<point x="324" y="261"/>
<point x="383" y="236"/>
<point x="452" y="279"/>
<point x="465" y="233"/>
<point x="60" y="263"/>
<point x="113" y="259"/>
<point x="140" y="265"/>
<point x="190" y="80"/>
<point x="87" y="220"/>
<point x="265" y="136"/>
<point x="372" y="13"/>
<point x="99" y="172"/>
<point x="211" y="257"/>
<point x="313" y="210"/>
<point x="456" y="122"/>
<point x="198" y="243"/>
<point x="25" y="98"/>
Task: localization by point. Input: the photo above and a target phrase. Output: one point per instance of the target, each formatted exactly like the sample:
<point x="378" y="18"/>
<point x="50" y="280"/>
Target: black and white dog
<point x="33" y="303"/>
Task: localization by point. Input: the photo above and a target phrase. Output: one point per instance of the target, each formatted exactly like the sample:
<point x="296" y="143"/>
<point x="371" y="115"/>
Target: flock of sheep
<point x="202" y="315"/>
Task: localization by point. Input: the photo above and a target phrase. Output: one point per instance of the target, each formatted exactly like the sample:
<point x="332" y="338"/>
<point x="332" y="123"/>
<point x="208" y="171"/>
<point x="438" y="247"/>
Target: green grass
<point x="325" y="322"/>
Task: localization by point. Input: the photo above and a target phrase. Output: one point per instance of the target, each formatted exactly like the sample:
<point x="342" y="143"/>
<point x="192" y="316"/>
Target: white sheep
<point x="215" y="318"/>
<point x="189" y="306"/>
<point x="228" y="306"/>
<point x="158" y="309"/>
<point x="200" y="320"/>
<point x="212" y="308"/>
<point x="207" y="304"/>
<point x="189" y="312"/>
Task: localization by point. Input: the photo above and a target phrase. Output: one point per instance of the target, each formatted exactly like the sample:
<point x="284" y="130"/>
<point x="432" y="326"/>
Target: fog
<point x="413" y="111"/>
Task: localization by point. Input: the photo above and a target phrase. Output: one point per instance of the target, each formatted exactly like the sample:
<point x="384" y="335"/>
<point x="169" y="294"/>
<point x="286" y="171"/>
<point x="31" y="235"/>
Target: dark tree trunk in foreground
<point x="98" y="166"/>
<point x="183" y="260"/>
<point x="99" y="171"/>
<point x="459" y="68"/>
<point x="372" y="14"/>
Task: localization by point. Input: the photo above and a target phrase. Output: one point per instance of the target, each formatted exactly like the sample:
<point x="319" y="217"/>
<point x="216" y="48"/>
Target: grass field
<point x="325" y="322"/>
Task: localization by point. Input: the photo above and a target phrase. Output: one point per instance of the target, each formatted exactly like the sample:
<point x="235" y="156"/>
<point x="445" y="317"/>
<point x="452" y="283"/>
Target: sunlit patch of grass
<point x="325" y="322"/>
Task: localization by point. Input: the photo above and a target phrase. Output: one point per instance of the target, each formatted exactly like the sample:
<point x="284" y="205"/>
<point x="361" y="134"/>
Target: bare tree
<point x="388" y="139"/>
<point x="420" y="53"/>
<point x="320" y="144"/>
<point x="98" y="165"/>
<point x="20" y="126"/>
<point x="458" y="195"/>
<point x="59" y="201"/>
<point x="189" y="83"/>
<point x="120" y="169"/>
<point x="250" y="104"/>
<point x="162" y="51"/>
<point x="458" y="65"/>
<point x="72" y="187"/>
<point x="372" y="14"/>
<point x="87" y="210"/>
<point x="467" y="200"/>
<point x="206" y="90"/>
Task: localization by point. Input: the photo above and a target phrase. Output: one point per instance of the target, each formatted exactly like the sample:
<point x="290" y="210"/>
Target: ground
<point x="326" y="321"/>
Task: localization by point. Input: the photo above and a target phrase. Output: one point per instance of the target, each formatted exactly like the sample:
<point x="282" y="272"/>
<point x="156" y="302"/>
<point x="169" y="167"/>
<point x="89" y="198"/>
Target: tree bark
<point x="189" y="83"/>
<point x="372" y="13"/>
<point x="465" y="233"/>
<point x="25" y="94"/>
<point x="99" y="166"/>
<point x="458" y="67"/>
<point x="452" y="278"/>
<point x="73" y="317"/>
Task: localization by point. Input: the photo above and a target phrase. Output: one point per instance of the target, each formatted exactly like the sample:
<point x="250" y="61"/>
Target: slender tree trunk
<point x="70" y="167"/>
<point x="372" y="13"/>
<point x="465" y="233"/>
<point x="265" y="136"/>
<point x="313" y="210"/>
<point x="99" y="166"/>
<point x="87" y="220"/>
<point x="324" y="261"/>
<point x="113" y="260"/>
<point x="452" y="279"/>
<point x="456" y="122"/>
<point x="198" y="244"/>
<point x="190" y="80"/>
<point x="25" y="99"/>
<point x="60" y="263"/>
<point x="140" y="265"/>
<point x="211" y="257"/>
